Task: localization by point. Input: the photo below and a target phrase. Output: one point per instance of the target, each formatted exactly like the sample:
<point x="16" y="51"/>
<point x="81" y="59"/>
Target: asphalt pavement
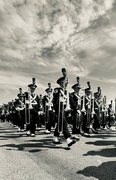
<point x="37" y="158"/>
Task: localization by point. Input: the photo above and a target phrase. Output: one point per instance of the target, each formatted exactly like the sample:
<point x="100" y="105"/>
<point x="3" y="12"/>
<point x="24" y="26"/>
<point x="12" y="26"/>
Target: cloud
<point x="38" y="38"/>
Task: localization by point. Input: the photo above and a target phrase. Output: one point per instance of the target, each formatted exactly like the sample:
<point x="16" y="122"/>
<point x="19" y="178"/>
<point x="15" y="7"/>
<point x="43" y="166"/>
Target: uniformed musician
<point x="111" y="116"/>
<point x="59" y="100"/>
<point x="33" y="106"/>
<point x="75" y="104"/>
<point x="41" y="121"/>
<point x="13" y="113"/>
<point x="97" y="109"/>
<point x="48" y="109"/>
<point x="20" y="108"/>
<point x="86" y="111"/>
<point x="104" y="113"/>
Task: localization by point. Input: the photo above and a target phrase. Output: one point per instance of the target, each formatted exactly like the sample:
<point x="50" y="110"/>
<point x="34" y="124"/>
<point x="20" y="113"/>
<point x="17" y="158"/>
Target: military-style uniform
<point x="59" y="100"/>
<point x="14" y="113"/>
<point x="75" y="104"/>
<point x="20" y="109"/>
<point x="86" y="112"/>
<point x="110" y="116"/>
<point x="48" y="109"/>
<point x="41" y="120"/>
<point x="97" y="108"/>
<point x="104" y="113"/>
<point x="33" y="107"/>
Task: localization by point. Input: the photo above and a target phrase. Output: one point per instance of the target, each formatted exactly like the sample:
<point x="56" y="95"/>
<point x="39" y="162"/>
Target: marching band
<point x="88" y="113"/>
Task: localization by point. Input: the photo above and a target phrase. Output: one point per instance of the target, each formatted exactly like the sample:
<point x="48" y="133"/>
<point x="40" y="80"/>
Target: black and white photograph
<point x="57" y="89"/>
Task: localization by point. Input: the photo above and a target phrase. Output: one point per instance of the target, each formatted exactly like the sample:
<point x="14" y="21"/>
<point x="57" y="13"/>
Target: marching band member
<point x="3" y="114"/>
<point x="86" y="111"/>
<point x="40" y="121"/>
<point x="33" y="106"/>
<point x="48" y="109"/>
<point x="59" y="100"/>
<point x="110" y="115"/>
<point x="97" y="108"/>
<point x="75" y="104"/>
<point x="13" y="113"/>
<point x="20" y="108"/>
<point x="104" y="113"/>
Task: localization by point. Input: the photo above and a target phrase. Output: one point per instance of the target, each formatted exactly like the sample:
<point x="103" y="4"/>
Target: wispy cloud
<point x="38" y="38"/>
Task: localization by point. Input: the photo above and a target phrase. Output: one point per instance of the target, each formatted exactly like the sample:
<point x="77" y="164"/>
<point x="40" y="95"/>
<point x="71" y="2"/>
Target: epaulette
<point x="57" y="90"/>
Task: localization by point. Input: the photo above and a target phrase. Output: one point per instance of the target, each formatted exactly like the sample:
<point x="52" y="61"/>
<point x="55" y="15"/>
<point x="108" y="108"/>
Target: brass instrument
<point x="92" y="112"/>
<point x="112" y="111"/>
<point x="27" y="109"/>
<point x="48" y="102"/>
<point x="88" y="97"/>
<point x="106" y="107"/>
<point x="83" y="106"/>
<point x="58" y="124"/>
<point x="41" y="108"/>
<point x="63" y="101"/>
<point x="115" y="108"/>
<point x="66" y="97"/>
<point x="28" y="101"/>
<point x="21" y="105"/>
<point x="78" y="117"/>
<point x="49" y="99"/>
<point x="41" y="102"/>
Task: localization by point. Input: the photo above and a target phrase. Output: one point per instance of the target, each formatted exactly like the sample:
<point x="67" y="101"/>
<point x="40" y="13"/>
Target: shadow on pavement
<point x="105" y="171"/>
<point x="38" y="145"/>
<point x="102" y="143"/>
<point x="104" y="152"/>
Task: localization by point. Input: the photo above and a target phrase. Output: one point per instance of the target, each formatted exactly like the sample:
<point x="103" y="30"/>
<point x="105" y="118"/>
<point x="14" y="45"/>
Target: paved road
<point x="37" y="158"/>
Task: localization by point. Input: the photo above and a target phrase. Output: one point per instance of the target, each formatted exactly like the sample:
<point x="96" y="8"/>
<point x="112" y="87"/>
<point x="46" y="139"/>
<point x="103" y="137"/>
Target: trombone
<point x="93" y="105"/>
<point x="27" y="108"/>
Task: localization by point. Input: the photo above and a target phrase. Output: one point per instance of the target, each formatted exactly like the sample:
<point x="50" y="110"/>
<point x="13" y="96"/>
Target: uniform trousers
<point x="76" y="120"/>
<point x="49" y="120"/>
<point x="33" y="121"/>
<point x="62" y="126"/>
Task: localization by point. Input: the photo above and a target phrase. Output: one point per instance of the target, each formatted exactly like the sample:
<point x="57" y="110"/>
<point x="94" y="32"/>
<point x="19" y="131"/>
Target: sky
<point x="39" y="37"/>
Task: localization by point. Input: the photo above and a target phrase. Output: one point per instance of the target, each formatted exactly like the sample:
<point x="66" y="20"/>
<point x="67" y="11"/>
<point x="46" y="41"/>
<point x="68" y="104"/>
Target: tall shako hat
<point x="49" y="89"/>
<point x="96" y="94"/>
<point x="110" y="105"/>
<point x="20" y="93"/>
<point x="99" y="90"/>
<point x="33" y="85"/>
<point x="77" y="85"/>
<point x="64" y="73"/>
<point x="63" y="78"/>
<point x="89" y="87"/>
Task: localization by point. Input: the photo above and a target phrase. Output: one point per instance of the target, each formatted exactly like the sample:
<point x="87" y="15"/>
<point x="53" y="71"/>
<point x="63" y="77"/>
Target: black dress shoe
<point x="57" y="142"/>
<point x="94" y="131"/>
<point x="86" y="134"/>
<point x="72" y="142"/>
